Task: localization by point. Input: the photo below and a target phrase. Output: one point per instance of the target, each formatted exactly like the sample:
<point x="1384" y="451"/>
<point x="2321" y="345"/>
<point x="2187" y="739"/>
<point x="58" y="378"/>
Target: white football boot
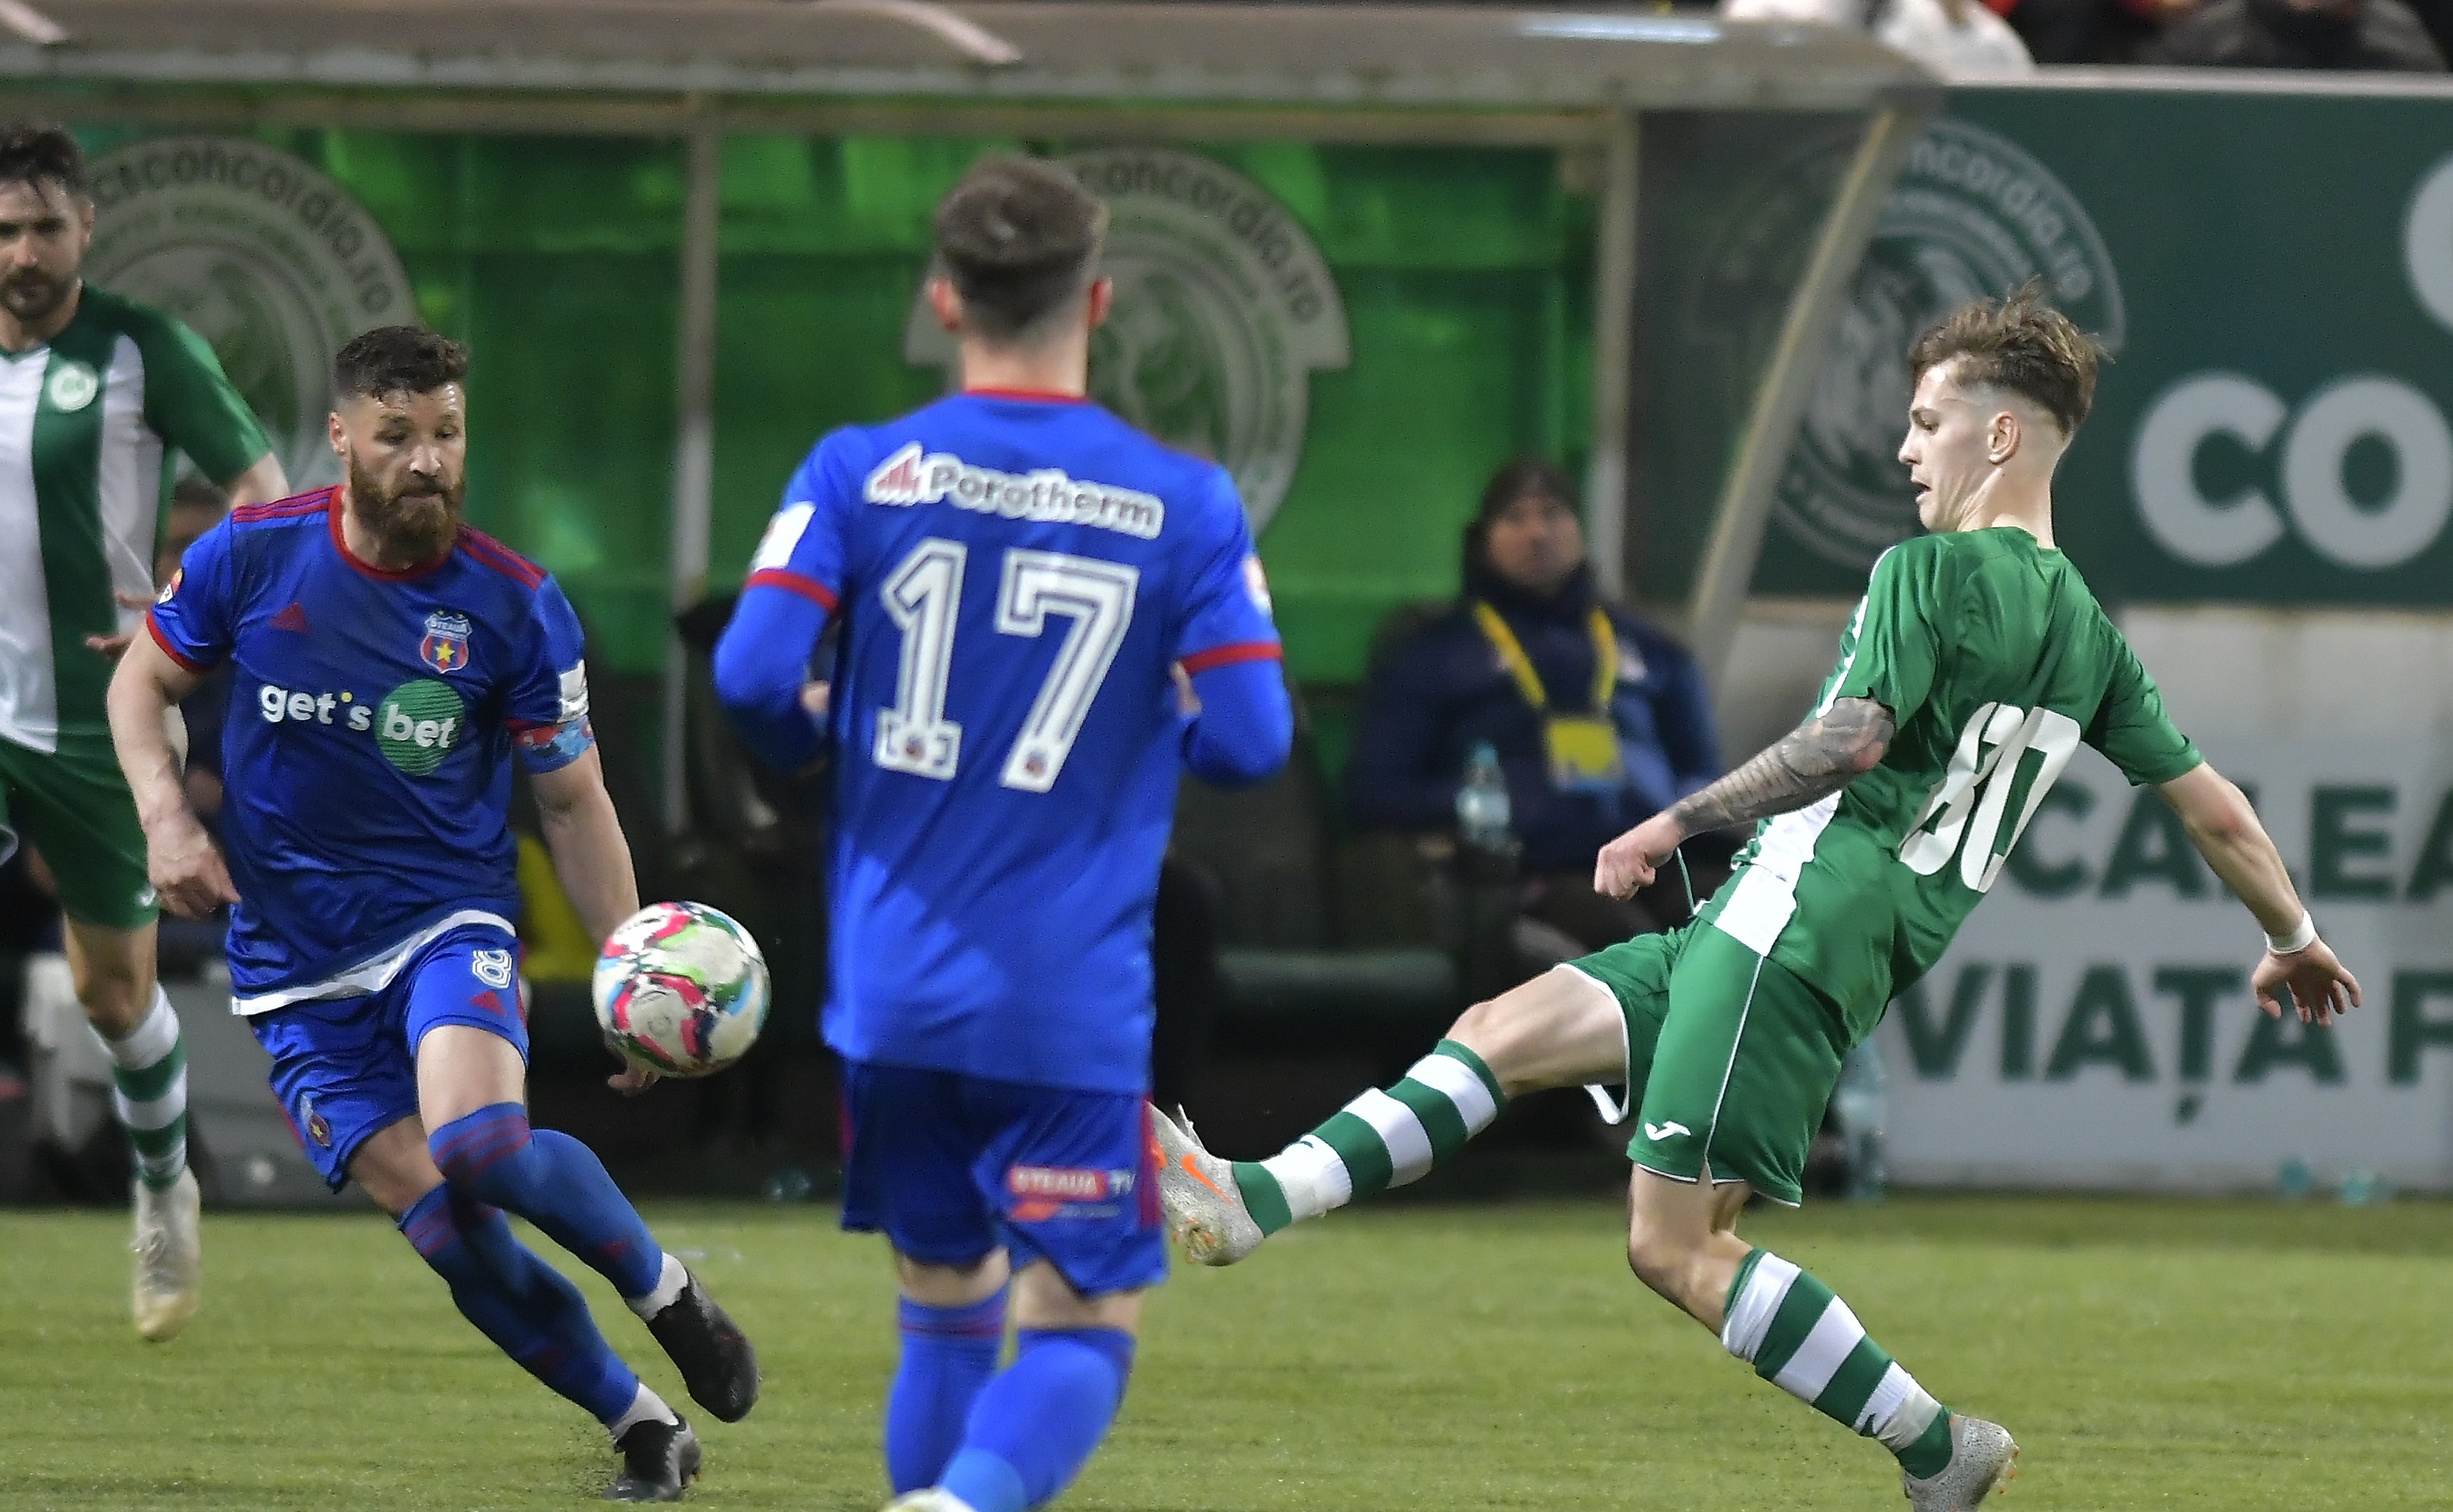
<point x="1982" y="1458"/>
<point x="170" y="1257"/>
<point x="1205" y="1207"/>
<point x="928" y="1499"/>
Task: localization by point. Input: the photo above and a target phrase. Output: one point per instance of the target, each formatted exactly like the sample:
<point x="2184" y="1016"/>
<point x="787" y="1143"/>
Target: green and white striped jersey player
<point x="97" y="396"/>
<point x="1968" y="676"/>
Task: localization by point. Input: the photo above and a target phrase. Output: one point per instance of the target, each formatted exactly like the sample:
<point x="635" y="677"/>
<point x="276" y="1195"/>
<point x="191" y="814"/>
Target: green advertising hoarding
<point x="2274" y="275"/>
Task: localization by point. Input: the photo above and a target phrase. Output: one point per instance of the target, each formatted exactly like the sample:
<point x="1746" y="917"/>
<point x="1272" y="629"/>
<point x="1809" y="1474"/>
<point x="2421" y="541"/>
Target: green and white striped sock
<point x="1805" y="1341"/>
<point x="149" y="1092"/>
<point x="1378" y="1140"/>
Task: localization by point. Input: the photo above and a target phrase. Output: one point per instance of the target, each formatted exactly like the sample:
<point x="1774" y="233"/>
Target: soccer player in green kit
<point x="97" y="394"/>
<point x="1969" y="674"/>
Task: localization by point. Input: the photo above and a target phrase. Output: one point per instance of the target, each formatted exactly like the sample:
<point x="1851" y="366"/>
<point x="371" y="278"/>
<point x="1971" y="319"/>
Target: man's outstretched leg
<point x="1681" y="1242"/>
<point x="471" y="1084"/>
<point x="1562" y="1028"/>
<point x="529" y="1310"/>
<point x="1739" y="1071"/>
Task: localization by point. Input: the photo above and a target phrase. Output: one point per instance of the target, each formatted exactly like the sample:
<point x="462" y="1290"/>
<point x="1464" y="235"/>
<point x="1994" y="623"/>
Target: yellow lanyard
<point x="1511" y="655"/>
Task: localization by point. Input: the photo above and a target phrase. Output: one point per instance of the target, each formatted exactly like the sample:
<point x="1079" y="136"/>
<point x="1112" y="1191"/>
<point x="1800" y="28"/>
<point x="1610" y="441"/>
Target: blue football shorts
<point x="346" y="1068"/>
<point x="949" y="1168"/>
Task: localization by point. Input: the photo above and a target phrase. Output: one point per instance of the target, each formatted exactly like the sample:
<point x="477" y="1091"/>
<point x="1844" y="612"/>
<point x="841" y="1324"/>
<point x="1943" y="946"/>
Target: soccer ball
<point x="680" y="989"/>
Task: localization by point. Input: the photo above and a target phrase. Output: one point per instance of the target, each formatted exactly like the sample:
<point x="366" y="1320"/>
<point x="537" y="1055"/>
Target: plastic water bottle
<point x="1860" y="1103"/>
<point x="1481" y="802"/>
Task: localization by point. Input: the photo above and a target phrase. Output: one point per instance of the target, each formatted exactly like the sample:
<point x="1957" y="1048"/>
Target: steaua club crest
<point x="312" y="1122"/>
<point x="446" y="647"/>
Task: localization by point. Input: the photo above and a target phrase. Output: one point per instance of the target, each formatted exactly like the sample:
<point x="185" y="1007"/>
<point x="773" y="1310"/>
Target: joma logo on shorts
<point x="1070" y="1184"/>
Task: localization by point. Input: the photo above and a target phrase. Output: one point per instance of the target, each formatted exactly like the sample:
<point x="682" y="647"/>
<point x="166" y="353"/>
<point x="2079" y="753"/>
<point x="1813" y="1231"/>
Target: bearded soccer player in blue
<point x="388" y="664"/>
<point x="1046" y="616"/>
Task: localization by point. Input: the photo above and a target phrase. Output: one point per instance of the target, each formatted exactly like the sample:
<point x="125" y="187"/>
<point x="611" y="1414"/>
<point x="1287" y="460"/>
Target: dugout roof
<point x="1471" y="56"/>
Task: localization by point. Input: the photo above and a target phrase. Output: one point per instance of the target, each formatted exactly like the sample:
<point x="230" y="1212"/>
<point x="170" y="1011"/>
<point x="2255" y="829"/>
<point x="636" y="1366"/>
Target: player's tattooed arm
<point x="1808" y="763"/>
<point x="1812" y="762"/>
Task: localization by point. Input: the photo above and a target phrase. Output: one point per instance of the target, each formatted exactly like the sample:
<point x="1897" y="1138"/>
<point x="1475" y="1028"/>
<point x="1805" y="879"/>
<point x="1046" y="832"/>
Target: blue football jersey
<point x="366" y="761"/>
<point x="1015" y="575"/>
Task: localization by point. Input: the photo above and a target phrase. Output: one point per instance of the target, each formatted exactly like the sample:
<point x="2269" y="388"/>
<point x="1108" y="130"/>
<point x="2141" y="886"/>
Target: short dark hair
<point x="396" y="360"/>
<point x="1017" y="236"/>
<point x="2021" y="344"/>
<point x="1526" y="477"/>
<point x="37" y="152"/>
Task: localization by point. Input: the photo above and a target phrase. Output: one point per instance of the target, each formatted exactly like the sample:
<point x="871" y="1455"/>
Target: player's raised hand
<point x="186" y="868"/>
<point x="2321" y="989"/>
<point x="1628" y="862"/>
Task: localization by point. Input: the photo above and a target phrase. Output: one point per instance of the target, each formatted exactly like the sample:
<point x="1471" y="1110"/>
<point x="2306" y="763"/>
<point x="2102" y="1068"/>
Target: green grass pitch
<point x="2224" y="1356"/>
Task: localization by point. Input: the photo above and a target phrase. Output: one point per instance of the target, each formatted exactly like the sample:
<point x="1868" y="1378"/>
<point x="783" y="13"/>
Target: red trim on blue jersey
<point x="808" y="587"/>
<point x="1045" y="396"/>
<point x="172" y="652"/>
<point x="485" y="548"/>
<point x="332" y="519"/>
<point x="1229" y="654"/>
<point x="295" y="506"/>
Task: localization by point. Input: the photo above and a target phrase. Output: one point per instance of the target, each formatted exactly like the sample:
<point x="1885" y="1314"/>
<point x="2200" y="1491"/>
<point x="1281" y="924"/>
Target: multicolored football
<point x="681" y="990"/>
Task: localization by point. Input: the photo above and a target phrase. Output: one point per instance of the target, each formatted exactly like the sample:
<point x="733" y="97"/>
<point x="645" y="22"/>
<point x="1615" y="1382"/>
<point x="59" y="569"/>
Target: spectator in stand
<point x="1958" y="39"/>
<point x="2378" y="36"/>
<point x="1599" y="719"/>
<point x="2093" y="31"/>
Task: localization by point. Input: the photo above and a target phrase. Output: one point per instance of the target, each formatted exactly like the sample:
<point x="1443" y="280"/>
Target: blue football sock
<point x="524" y="1305"/>
<point x="555" y="1183"/>
<point x="1035" y="1424"/>
<point x="948" y="1354"/>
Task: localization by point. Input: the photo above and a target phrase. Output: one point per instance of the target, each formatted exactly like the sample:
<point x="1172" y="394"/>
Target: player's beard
<point x="33" y="295"/>
<point x="410" y="525"/>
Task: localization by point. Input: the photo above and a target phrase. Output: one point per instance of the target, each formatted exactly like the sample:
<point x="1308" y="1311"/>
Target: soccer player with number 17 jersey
<point x="1047" y="615"/>
<point x="1975" y="665"/>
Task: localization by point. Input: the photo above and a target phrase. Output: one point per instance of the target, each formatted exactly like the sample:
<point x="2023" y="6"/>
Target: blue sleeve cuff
<point x="761" y="662"/>
<point x="1246" y="726"/>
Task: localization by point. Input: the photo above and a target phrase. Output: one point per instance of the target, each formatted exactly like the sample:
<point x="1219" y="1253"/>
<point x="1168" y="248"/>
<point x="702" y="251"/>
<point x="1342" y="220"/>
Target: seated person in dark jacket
<point x="1599" y="719"/>
<point x="2359" y="35"/>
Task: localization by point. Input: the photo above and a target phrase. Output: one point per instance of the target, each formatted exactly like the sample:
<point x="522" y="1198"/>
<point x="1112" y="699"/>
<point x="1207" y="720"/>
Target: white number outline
<point x="1098" y="596"/>
<point x="1986" y="763"/>
<point x="922" y="598"/>
<point x="913" y="734"/>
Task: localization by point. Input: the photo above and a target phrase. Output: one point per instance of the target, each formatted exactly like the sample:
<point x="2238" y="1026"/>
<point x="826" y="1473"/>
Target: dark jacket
<point x="2377" y="35"/>
<point x="1437" y="693"/>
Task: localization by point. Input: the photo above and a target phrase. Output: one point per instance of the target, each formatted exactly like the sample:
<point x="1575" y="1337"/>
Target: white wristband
<point x="2297" y="940"/>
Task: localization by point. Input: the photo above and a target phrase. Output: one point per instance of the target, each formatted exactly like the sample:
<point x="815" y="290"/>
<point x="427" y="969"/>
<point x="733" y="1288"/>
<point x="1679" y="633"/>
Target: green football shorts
<point x="74" y="807"/>
<point x="1730" y="1057"/>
